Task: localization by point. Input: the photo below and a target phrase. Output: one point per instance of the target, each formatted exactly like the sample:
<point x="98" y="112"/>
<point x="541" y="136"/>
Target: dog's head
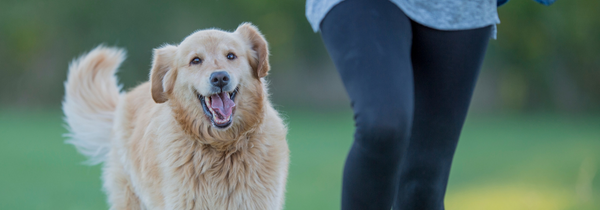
<point x="213" y="80"/>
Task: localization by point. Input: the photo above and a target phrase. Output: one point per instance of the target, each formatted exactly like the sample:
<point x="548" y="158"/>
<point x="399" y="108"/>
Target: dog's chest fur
<point x="203" y="178"/>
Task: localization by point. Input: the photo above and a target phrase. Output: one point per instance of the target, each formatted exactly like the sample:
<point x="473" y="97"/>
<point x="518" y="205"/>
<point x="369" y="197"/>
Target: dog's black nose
<point x="219" y="79"/>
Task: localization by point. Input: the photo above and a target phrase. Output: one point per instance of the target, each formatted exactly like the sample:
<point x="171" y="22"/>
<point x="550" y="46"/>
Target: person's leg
<point x="445" y="67"/>
<point x="369" y="42"/>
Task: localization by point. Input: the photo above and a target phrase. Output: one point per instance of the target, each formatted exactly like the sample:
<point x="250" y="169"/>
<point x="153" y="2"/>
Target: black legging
<point x="410" y="87"/>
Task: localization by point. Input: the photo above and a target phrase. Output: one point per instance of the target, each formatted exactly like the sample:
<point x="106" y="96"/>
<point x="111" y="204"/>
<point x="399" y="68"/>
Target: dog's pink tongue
<point x="222" y="104"/>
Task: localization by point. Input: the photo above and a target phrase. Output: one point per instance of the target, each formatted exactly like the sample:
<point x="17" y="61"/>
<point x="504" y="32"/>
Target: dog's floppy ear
<point x="259" y="57"/>
<point x="163" y="74"/>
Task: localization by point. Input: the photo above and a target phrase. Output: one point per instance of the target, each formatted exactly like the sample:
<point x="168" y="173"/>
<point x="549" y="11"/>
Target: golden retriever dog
<point x="200" y="134"/>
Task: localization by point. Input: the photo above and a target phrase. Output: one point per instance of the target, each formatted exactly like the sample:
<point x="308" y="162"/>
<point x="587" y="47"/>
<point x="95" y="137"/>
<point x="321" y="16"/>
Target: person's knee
<point x="427" y="177"/>
<point x="415" y="194"/>
<point x="382" y="131"/>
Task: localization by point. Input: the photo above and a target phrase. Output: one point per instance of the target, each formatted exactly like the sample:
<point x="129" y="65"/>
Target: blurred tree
<point x="548" y="55"/>
<point x="546" y="58"/>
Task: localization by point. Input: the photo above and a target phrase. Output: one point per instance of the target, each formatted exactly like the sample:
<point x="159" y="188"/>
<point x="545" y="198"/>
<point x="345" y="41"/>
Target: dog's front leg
<point x="180" y="197"/>
<point x="119" y="189"/>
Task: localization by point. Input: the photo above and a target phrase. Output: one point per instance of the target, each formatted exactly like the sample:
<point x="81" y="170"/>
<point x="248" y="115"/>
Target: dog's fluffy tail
<point x="91" y="97"/>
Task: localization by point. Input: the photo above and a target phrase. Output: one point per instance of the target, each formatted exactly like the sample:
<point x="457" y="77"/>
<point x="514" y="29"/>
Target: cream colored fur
<point x="159" y="149"/>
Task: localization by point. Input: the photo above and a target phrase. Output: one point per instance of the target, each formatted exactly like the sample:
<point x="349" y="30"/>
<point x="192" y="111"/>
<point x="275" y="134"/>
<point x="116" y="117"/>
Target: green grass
<point x="507" y="162"/>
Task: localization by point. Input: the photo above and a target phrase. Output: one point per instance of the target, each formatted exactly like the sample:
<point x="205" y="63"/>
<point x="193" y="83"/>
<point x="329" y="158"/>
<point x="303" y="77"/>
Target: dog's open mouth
<point x="219" y="107"/>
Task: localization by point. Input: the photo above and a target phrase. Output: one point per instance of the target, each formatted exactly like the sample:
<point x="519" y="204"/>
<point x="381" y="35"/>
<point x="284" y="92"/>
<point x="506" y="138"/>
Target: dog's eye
<point x="196" y="60"/>
<point x="231" y="56"/>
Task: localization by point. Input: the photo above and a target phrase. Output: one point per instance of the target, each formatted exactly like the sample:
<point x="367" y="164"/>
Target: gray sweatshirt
<point x="438" y="14"/>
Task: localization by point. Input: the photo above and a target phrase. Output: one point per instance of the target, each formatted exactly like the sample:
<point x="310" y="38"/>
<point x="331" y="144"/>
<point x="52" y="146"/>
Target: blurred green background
<point x="531" y="140"/>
